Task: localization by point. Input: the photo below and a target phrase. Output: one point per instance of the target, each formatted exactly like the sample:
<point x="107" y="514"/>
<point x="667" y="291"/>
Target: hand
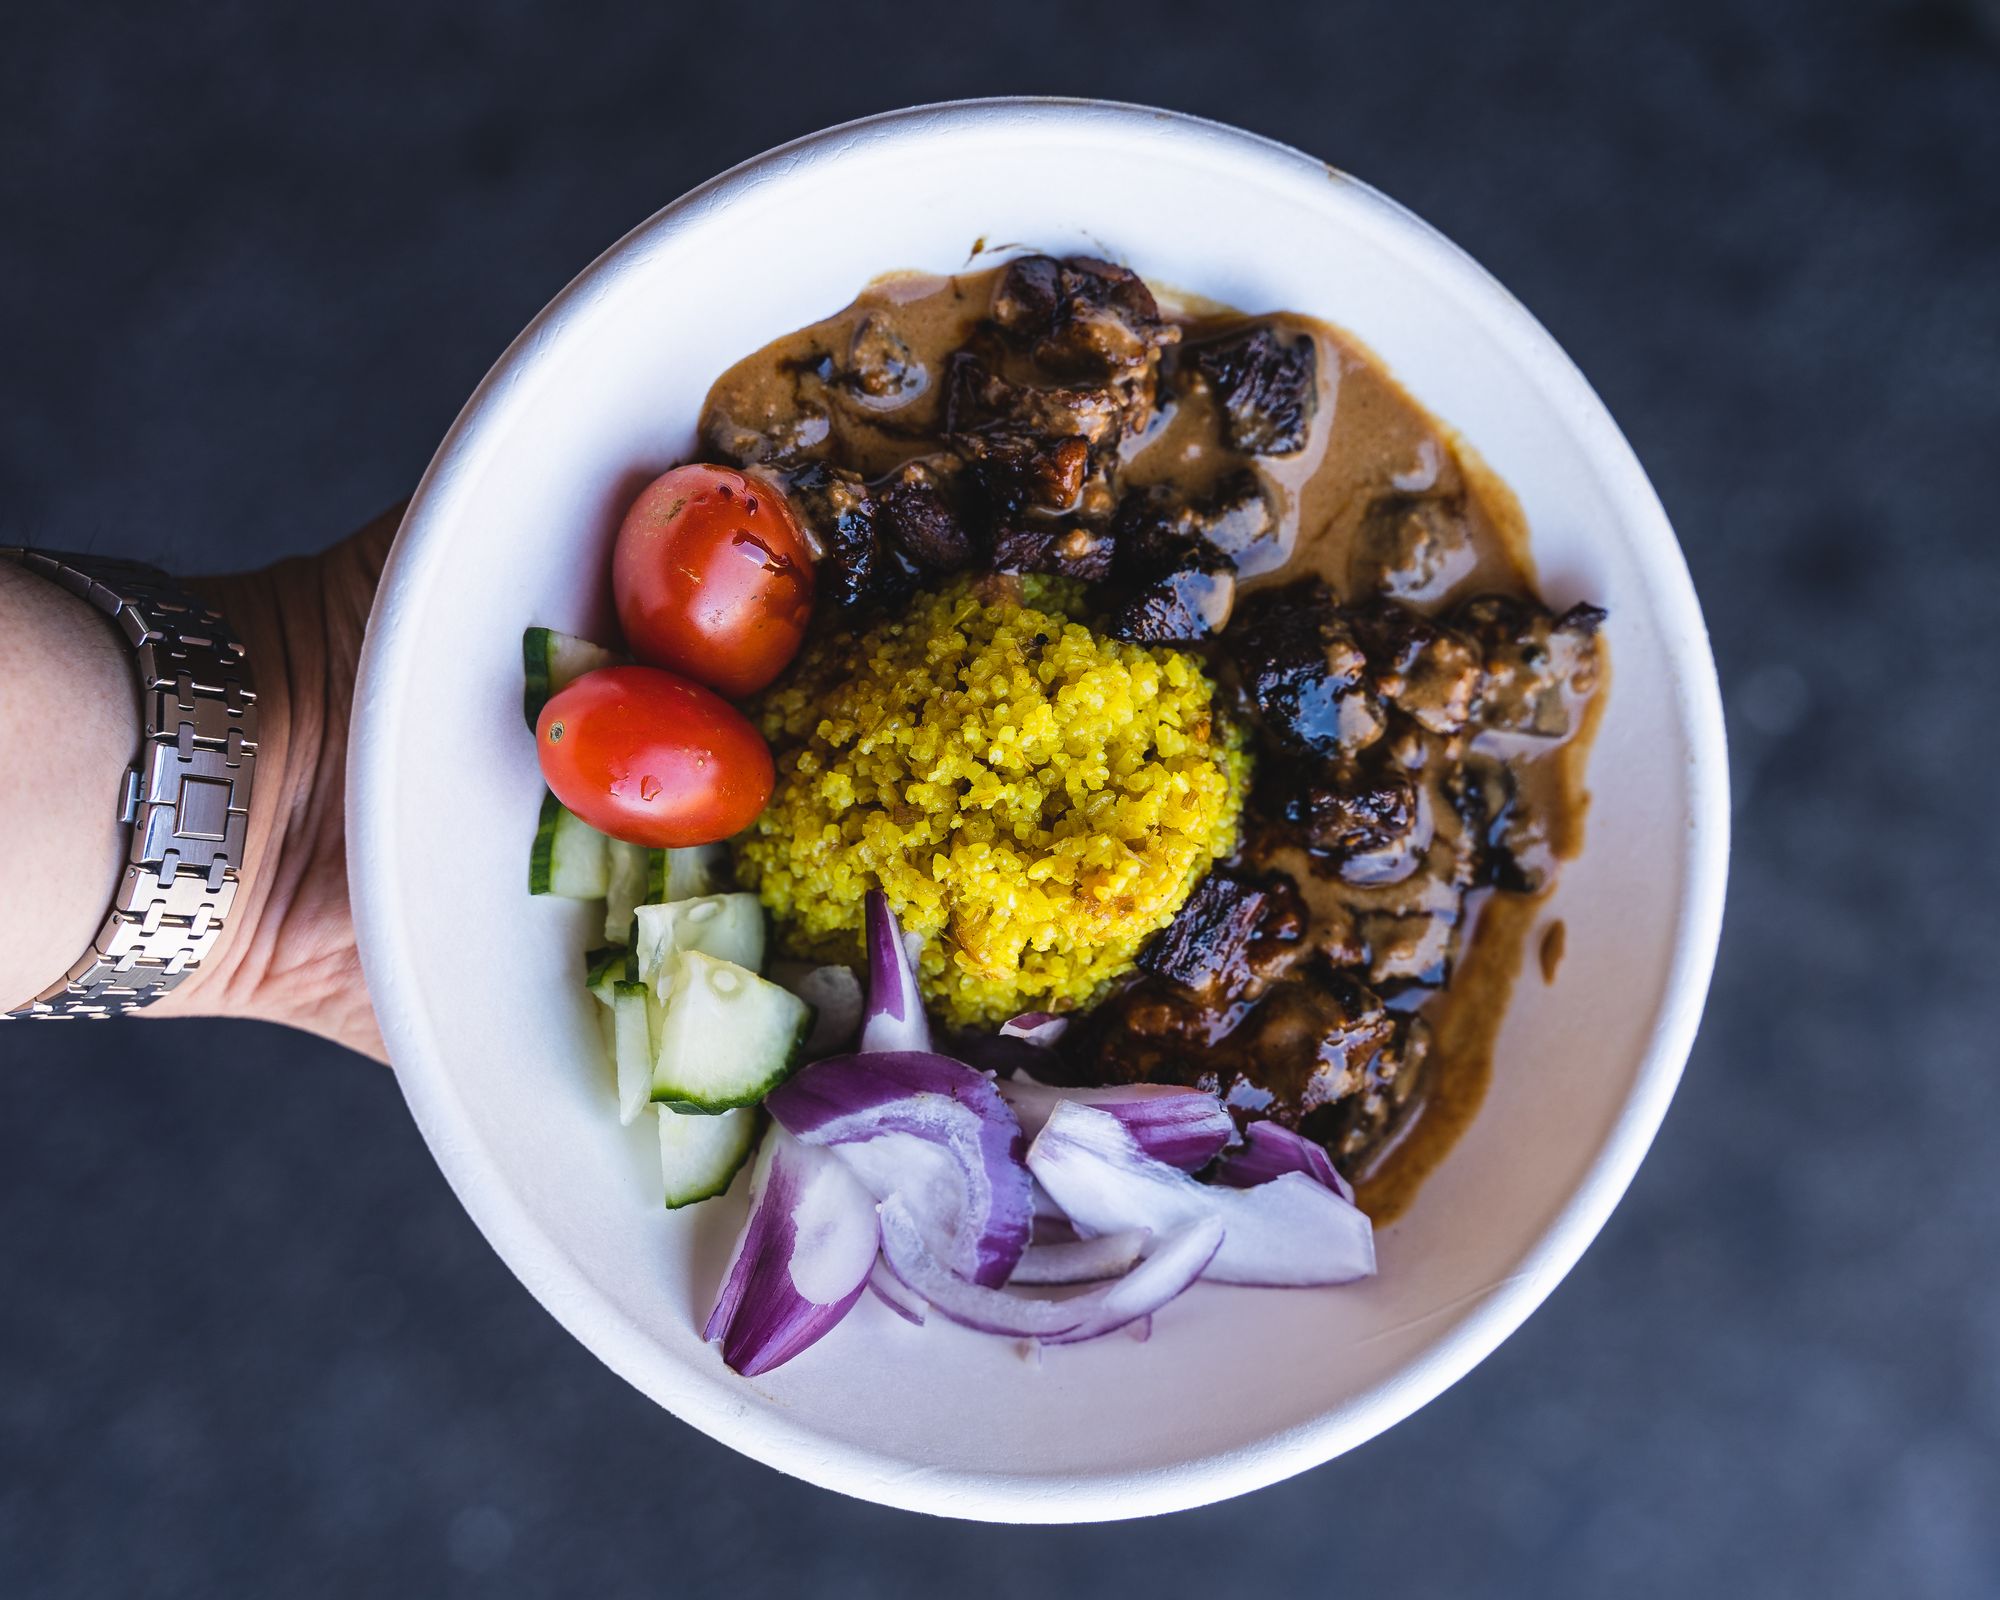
<point x="288" y="954"/>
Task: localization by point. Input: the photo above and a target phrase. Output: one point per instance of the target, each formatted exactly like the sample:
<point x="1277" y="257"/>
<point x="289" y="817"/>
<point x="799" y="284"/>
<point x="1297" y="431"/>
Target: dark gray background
<point x="251" y="263"/>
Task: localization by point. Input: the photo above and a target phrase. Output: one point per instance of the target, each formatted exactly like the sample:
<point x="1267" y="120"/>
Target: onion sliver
<point x="1269" y="1150"/>
<point x="1175" y="1264"/>
<point x="894" y="1018"/>
<point x="1290" y="1232"/>
<point x="834" y="993"/>
<point x="1183" y="1127"/>
<point x="1110" y="1255"/>
<point x="804" y="1254"/>
<point x="890" y="1290"/>
<point x="931" y="1130"/>
<point x="1041" y="1028"/>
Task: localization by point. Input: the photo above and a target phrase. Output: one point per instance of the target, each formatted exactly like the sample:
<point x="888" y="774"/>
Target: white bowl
<point x="476" y="984"/>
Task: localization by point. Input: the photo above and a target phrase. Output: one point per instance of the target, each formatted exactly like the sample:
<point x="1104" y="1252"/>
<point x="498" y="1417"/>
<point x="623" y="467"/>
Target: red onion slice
<point x="1269" y="1150"/>
<point x="834" y="993"/>
<point x="1183" y="1127"/>
<point x="894" y="1019"/>
<point x="1158" y="1279"/>
<point x="1109" y="1255"/>
<point x="1292" y="1231"/>
<point x="889" y="1289"/>
<point x="1041" y="1028"/>
<point x="932" y="1130"/>
<point x="805" y="1251"/>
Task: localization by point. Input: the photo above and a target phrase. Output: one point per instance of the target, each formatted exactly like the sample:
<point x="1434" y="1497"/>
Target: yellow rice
<point x="1035" y="800"/>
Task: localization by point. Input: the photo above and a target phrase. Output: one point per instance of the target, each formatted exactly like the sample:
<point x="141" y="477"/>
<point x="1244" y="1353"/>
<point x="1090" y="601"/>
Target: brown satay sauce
<point x="1368" y="439"/>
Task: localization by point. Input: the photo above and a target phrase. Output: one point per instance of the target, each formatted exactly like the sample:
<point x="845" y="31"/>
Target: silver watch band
<point x="187" y="797"/>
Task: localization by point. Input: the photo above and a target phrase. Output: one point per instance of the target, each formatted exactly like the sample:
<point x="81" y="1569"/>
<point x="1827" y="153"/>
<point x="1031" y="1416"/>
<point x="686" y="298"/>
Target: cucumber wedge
<point x="637" y="875"/>
<point x="699" y="869"/>
<point x="729" y="927"/>
<point x="632" y="1048"/>
<point x="607" y="961"/>
<point x="726" y="1036"/>
<point x="569" y="857"/>
<point x="551" y="660"/>
<point x="606" y="987"/>
<point x="699" y="1156"/>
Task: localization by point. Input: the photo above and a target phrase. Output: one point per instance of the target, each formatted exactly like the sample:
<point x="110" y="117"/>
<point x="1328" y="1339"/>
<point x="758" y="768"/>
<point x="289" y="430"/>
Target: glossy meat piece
<point x="1156" y="527"/>
<point x="978" y="396"/>
<point x="1428" y="671"/>
<point x="881" y="368"/>
<point x="1204" y="948"/>
<point x="1310" y="1042"/>
<point x="1304" y="670"/>
<point x="1184" y="605"/>
<point x="1081" y="316"/>
<point x="1017" y="469"/>
<point x="837" y="512"/>
<point x="914" y="510"/>
<point x="1510" y="843"/>
<point x="1267" y="386"/>
<point x="1064" y="549"/>
<point x="1300" y="1046"/>
<point x="1412" y="548"/>
<point x="1540" y="669"/>
<point x="1387" y="1083"/>
<point x="1344" y="811"/>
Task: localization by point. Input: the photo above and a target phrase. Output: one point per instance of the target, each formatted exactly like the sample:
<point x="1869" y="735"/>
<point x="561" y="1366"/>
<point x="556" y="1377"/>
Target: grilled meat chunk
<point x="1081" y="316"/>
<point x="1345" y="812"/>
<point x="1302" y="1044"/>
<point x="1304" y="670"/>
<point x="836" y="509"/>
<point x="881" y="369"/>
<point x="915" y="511"/>
<point x="1065" y="549"/>
<point x="1266" y="385"/>
<point x="1540" y="669"/>
<point x="1184" y="605"/>
<point x="1389" y="1079"/>
<point x="1156" y="528"/>
<point x="1204" y="947"/>
<point x="1509" y="844"/>
<point x="1017" y="469"/>
<point x="1412" y="548"/>
<point x="977" y="396"/>
<point x="1426" y="670"/>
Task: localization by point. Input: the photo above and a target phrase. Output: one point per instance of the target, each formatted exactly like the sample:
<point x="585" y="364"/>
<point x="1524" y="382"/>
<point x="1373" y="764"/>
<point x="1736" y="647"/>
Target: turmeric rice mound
<point x="1035" y="800"/>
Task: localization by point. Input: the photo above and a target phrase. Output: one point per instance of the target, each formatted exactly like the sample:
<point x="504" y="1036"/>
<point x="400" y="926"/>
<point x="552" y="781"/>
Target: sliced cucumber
<point x="700" y="1156"/>
<point x="607" y="961"/>
<point x="569" y="857"/>
<point x="632" y="1048"/>
<point x="603" y="981"/>
<point x="729" y="927"/>
<point x="727" y="1037"/>
<point x="551" y="660"/>
<point x="699" y="869"/>
<point x="637" y="875"/>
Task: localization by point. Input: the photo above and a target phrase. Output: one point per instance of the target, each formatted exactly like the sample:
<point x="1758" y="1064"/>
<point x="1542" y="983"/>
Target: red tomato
<point x="652" y="759"/>
<point x="713" y="578"/>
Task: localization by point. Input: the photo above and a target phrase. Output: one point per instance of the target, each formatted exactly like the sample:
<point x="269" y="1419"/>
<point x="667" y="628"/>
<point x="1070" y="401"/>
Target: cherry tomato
<point x="713" y="578"/>
<point x="652" y="759"/>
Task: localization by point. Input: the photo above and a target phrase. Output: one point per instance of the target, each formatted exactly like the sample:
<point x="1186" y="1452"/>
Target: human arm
<point x="69" y="721"/>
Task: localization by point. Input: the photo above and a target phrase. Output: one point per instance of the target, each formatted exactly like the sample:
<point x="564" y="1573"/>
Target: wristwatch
<point x="187" y="797"/>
